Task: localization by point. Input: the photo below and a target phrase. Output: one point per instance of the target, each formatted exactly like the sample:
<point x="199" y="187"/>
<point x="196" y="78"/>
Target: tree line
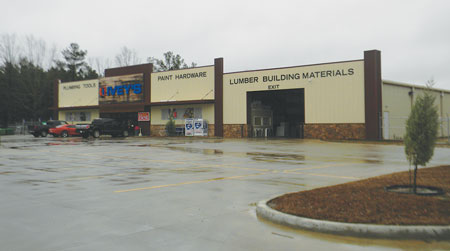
<point x="29" y="68"/>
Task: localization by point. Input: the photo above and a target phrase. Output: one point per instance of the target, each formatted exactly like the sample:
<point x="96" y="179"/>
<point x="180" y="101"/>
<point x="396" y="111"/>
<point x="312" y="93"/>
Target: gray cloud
<point x="412" y="35"/>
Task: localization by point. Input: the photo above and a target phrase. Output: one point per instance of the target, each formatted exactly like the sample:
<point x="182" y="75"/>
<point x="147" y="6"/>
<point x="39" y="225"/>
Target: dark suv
<point x="103" y="126"/>
<point x="42" y="129"/>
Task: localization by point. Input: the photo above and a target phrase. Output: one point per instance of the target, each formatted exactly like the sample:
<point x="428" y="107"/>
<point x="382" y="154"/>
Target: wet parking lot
<point x="141" y="193"/>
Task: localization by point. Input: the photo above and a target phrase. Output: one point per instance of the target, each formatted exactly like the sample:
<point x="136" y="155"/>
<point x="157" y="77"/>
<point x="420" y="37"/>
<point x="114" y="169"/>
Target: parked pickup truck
<point x="42" y="128"/>
<point x="103" y="126"/>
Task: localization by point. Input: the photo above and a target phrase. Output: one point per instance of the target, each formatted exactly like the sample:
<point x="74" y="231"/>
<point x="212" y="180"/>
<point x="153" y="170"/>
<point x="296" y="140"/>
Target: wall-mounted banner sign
<point x="143" y="116"/>
<point x="129" y="89"/>
<point x="292" y="76"/>
<point x="183" y="85"/>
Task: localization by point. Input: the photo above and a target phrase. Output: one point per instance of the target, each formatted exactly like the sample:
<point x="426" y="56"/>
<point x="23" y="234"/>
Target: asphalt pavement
<point x="141" y="193"/>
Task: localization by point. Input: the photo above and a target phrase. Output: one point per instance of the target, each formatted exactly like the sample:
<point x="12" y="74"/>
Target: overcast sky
<point x="413" y="36"/>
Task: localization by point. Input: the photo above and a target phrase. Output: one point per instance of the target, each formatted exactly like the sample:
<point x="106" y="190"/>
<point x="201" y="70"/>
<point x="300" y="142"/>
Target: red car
<point x="63" y="131"/>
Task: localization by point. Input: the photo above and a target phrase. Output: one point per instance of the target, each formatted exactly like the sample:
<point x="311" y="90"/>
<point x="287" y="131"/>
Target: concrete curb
<point x="354" y="229"/>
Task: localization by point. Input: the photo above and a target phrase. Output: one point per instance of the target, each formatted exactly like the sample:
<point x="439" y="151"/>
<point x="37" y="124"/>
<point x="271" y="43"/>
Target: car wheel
<point x="44" y="134"/>
<point x="125" y="133"/>
<point x="96" y="134"/>
<point x="85" y="135"/>
<point x="36" y="135"/>
<point x="64" y="134"/>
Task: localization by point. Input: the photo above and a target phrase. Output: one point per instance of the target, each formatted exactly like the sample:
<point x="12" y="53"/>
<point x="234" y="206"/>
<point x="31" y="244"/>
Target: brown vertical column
<point x="148" y="84"/>
<point x="372" y="93"/>
<point x="218" y="97"/>
<point x="56" y="98"/>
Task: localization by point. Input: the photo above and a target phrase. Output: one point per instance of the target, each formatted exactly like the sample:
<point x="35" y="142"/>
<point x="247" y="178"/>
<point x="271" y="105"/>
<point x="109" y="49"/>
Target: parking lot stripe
<point x="189" y="182"/>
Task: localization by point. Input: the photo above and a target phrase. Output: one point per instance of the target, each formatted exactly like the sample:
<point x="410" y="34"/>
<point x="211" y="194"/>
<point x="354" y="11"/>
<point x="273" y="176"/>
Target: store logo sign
<point x="120" y="90"/>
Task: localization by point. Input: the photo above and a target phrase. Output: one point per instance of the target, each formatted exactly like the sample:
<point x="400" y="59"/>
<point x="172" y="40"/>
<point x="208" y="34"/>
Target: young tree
<point x="170" y="62"/>
<point x="421" y="132"/>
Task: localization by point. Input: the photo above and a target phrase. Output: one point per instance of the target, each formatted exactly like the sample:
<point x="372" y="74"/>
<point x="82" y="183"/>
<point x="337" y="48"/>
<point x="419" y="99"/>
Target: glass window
<point x="78" y="116"/>
<point x="181" y="113"/>
<point x="258" y="121"/>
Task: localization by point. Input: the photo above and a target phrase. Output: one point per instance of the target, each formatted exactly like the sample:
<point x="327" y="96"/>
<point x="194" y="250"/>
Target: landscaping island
<point x="366" y="202"/>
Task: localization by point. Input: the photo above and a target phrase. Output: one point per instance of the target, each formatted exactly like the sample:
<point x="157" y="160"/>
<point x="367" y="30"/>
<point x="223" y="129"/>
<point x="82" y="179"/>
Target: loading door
<point x="278" y="113"/>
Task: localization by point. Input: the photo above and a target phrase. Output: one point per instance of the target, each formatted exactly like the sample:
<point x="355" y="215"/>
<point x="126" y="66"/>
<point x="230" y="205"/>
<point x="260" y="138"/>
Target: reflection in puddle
<point x="196" y="150"/>
<point x="372" y="161"/>
<point x="277" y="157"/>
<point x="7" y="172"/>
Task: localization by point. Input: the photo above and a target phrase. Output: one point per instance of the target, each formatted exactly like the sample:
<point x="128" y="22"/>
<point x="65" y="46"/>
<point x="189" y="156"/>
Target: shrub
<point x="170" y="127"/>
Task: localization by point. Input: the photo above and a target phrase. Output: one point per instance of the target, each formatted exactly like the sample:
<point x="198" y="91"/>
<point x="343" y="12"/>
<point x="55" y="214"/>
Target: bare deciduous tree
<point x="36" y="51"/>
<point x="100" y="64"/>
<point x="9" y="48"/>
<point x="127" y="57"/>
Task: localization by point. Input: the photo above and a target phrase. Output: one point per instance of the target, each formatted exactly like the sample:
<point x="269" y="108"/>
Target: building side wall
<point x="79" y="93"/>
<point x="329" y="98"/>
<point x="183" y="85"/>
<point x="397" y="104"/>
<point x="445" y="117"/>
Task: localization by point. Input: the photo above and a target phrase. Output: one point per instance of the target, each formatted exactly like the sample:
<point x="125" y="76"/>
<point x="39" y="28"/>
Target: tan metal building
<point x="338" y="100"/>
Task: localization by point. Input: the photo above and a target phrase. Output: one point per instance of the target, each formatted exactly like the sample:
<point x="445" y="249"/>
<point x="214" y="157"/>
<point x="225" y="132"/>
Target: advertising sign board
<point x="189" y="127"/>
<point x="128" y="88"/>
<point x="200" y="127"/>
<point x="143" y="116"/>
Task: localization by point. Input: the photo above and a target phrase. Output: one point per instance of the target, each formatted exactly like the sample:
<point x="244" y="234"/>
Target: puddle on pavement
<point x="400" y="244"/>
<point x="7" y="172"/>
<point x="184" y="149"/>
<point x="135" y="182"/>
<point x="47" y="170"/>
<point x="196" y="150"/>
<point x="372" y="161"/>
<point x="190" y="170"/>
<point x="276" y="157"/>
<point x="34" y="182"/>
<point x="278" y="182"/>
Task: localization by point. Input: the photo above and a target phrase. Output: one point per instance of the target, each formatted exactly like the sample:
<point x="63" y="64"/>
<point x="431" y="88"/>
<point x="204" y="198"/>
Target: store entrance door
<point x="279" y="113"/>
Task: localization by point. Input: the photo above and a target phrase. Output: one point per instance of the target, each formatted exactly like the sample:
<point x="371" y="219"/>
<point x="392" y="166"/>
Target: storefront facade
<point x="182" y="94"/>
<point x="339" y="100"/>
<point x="329" y="103"/>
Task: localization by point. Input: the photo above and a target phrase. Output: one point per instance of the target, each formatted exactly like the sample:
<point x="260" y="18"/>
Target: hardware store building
<point x="339" y="100"/>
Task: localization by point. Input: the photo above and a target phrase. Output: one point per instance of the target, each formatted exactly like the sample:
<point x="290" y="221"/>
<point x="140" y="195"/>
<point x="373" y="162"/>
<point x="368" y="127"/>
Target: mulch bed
<point x="366" y="201"/>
